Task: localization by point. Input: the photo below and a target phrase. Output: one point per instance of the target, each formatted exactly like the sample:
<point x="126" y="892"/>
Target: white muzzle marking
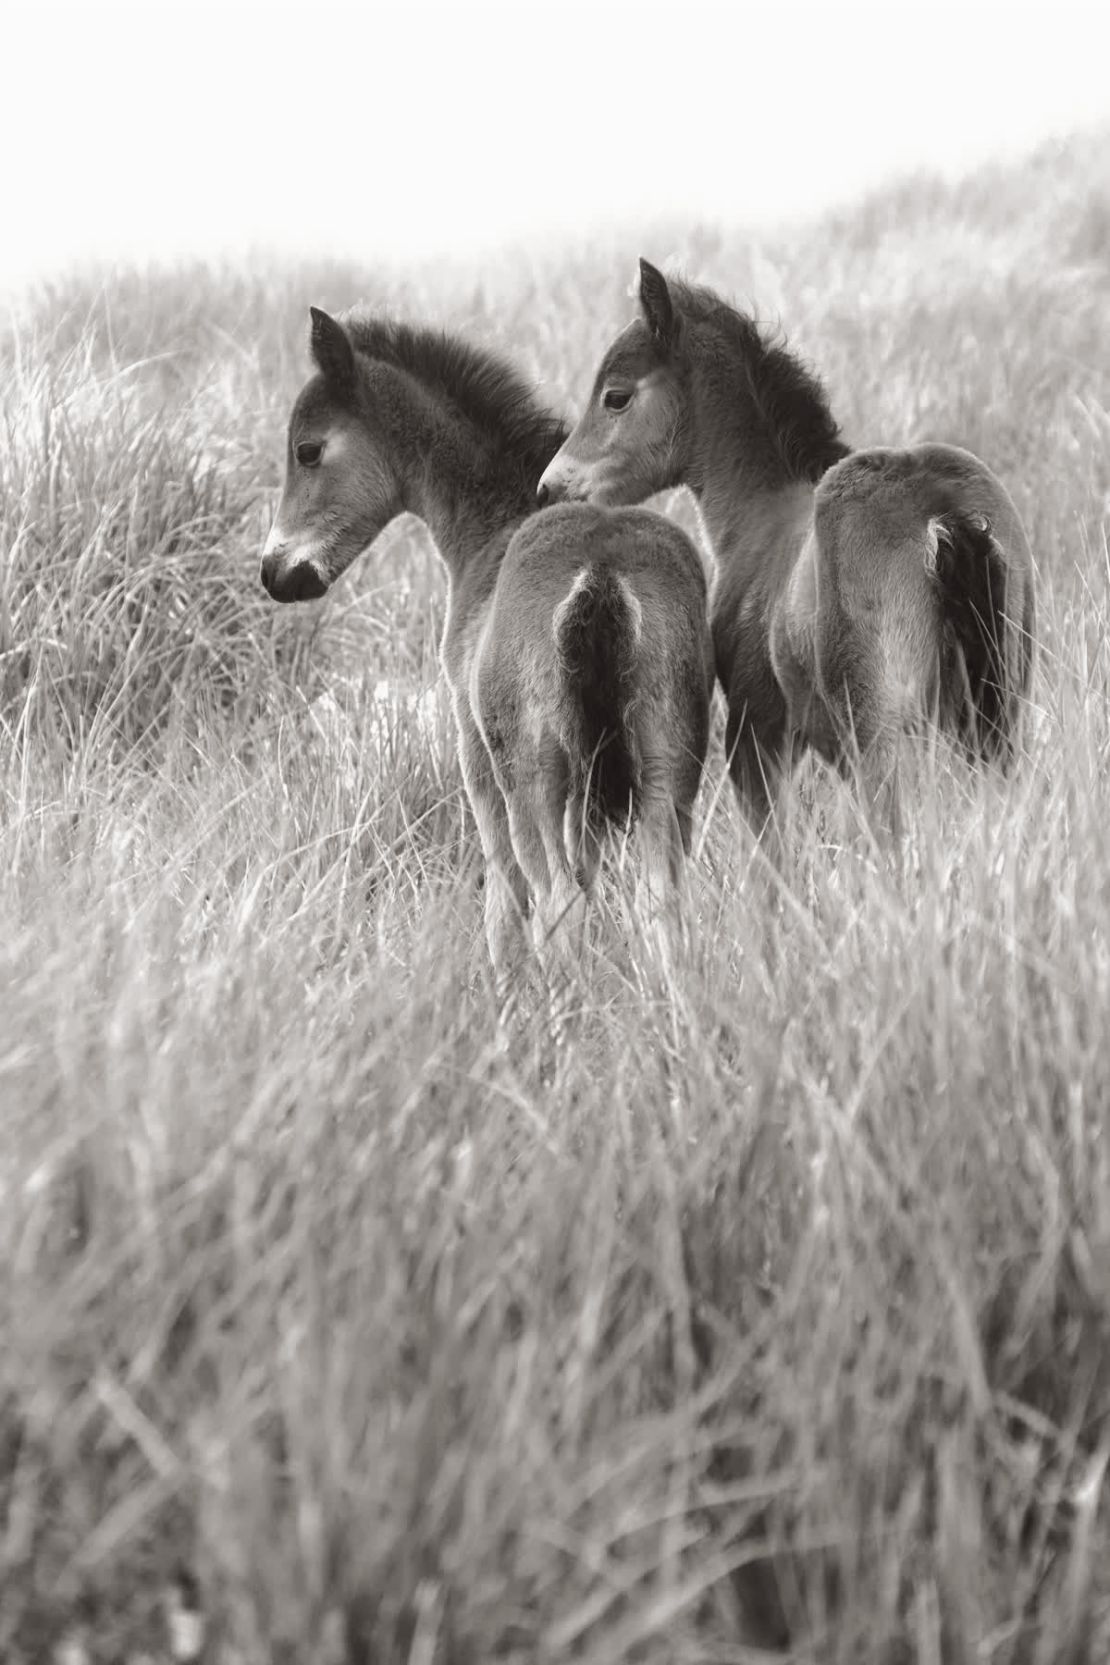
<point x="295" y="555"/>
<point x="274" y="542"/>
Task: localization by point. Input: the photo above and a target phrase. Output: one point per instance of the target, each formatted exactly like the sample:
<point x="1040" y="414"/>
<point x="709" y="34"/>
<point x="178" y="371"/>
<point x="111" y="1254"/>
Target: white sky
<point x="398" y="131"/>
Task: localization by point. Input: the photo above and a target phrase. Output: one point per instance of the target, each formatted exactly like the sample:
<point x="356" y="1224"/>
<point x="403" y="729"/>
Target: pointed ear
<point x="332" y="350"/>
<point x="655" y="298"/>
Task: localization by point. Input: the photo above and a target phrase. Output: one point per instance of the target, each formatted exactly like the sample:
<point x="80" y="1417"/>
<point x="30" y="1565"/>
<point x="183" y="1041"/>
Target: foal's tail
<point x="983" y="651"/>
<point x="597" y="630"/>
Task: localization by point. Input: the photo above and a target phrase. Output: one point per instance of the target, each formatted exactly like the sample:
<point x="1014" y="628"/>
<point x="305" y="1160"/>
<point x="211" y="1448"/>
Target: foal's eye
<point x="616" y="398"/>
<point x="309" y="453"/>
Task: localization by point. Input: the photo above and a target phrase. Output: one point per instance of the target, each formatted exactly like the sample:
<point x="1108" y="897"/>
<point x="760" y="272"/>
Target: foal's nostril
<point x="267" y="578"/>
<point x="305" y="584"/>
<point x="543" y="496"/>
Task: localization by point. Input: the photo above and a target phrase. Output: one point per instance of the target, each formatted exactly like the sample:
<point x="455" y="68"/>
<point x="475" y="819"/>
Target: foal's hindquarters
<point x="911" y="601"/>
<point x="591" y="685"/>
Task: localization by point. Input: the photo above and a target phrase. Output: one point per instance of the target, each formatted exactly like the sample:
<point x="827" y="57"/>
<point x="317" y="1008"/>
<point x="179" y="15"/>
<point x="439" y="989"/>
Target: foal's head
<point x="693" y="388"/>
<point x="631" y="437"/>
<point x="341" y="487"/>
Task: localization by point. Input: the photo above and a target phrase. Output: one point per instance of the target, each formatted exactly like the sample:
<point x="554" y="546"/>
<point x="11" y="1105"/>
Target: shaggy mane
<point x="789" y="397"/>
<point x="480" y="386"/>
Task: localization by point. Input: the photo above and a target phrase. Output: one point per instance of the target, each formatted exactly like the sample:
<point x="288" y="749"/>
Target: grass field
<point x="767" y="1314"/>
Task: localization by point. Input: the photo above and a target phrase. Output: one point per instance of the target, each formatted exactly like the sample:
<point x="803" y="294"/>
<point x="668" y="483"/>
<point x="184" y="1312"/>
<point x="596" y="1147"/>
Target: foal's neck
<point x="456" y="481"/>
<point x="752" y="509"/>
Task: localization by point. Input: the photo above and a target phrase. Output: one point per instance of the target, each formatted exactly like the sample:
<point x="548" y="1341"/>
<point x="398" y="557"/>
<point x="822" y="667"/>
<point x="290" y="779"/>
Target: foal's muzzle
<point x="564" y="480"/>
<point x="297" y="583"/>
<point x="551" y="489"/>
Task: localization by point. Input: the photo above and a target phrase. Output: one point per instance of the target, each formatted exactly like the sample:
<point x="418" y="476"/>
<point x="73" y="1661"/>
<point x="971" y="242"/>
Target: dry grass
<point x="765" y="1316"/>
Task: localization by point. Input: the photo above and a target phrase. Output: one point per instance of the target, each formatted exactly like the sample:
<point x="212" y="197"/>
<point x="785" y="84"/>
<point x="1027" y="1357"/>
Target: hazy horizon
<point x="417" y="133"/>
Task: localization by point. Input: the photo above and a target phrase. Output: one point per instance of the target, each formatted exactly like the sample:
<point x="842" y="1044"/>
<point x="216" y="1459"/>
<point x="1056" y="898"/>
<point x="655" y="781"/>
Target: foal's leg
<point x="536" y="804"/>
<point x="869" y="725"/>
<point x="758" y="768"/>
<point x="506" y="889"/>
<point x="568" y="881"/>
<point x="581" y="839"/>
<point x="536" y="827"/>
<point x="661" y="885"/>
<point x="662" y="834"/>
<point x="749" y="775"/>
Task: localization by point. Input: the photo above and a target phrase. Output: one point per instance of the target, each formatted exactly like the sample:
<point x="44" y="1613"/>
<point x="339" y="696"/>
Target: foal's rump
<point x="925" y="581"/>
<point x="598" y="646"/>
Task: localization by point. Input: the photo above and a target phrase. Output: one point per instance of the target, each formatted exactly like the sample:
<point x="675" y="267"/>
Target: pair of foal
<point x="854" y="594"/>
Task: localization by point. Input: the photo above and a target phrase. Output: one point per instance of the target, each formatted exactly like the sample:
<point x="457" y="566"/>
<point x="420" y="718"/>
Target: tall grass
<point x="762" y="1313"/>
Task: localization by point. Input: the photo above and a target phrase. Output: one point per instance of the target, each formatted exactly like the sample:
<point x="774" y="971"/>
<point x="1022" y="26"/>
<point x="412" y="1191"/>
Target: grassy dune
<point x="764" y="1317"/>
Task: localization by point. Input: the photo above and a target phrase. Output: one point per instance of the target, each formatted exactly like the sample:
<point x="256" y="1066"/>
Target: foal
<point x="854" y="593"/>
<point x="576" y="643"/>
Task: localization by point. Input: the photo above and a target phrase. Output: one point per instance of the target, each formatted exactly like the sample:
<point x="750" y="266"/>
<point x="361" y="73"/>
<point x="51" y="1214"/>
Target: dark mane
<point x="791" y="401"/>
<point x="480" y="387"/>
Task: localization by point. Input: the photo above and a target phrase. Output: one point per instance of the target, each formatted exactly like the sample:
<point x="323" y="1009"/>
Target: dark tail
<point x="979" y="630"/>
<point x="597" y="634"/>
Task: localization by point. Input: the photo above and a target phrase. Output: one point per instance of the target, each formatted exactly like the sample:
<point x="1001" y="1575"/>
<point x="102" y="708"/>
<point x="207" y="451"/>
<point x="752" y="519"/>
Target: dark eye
<point x="616" y="398"/>
<point x="309" y="453"/>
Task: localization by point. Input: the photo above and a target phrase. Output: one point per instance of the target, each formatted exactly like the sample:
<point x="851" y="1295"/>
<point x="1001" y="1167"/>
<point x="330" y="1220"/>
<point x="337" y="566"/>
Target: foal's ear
<point x="655" y="298"/>
<point x="332" y="350"/>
